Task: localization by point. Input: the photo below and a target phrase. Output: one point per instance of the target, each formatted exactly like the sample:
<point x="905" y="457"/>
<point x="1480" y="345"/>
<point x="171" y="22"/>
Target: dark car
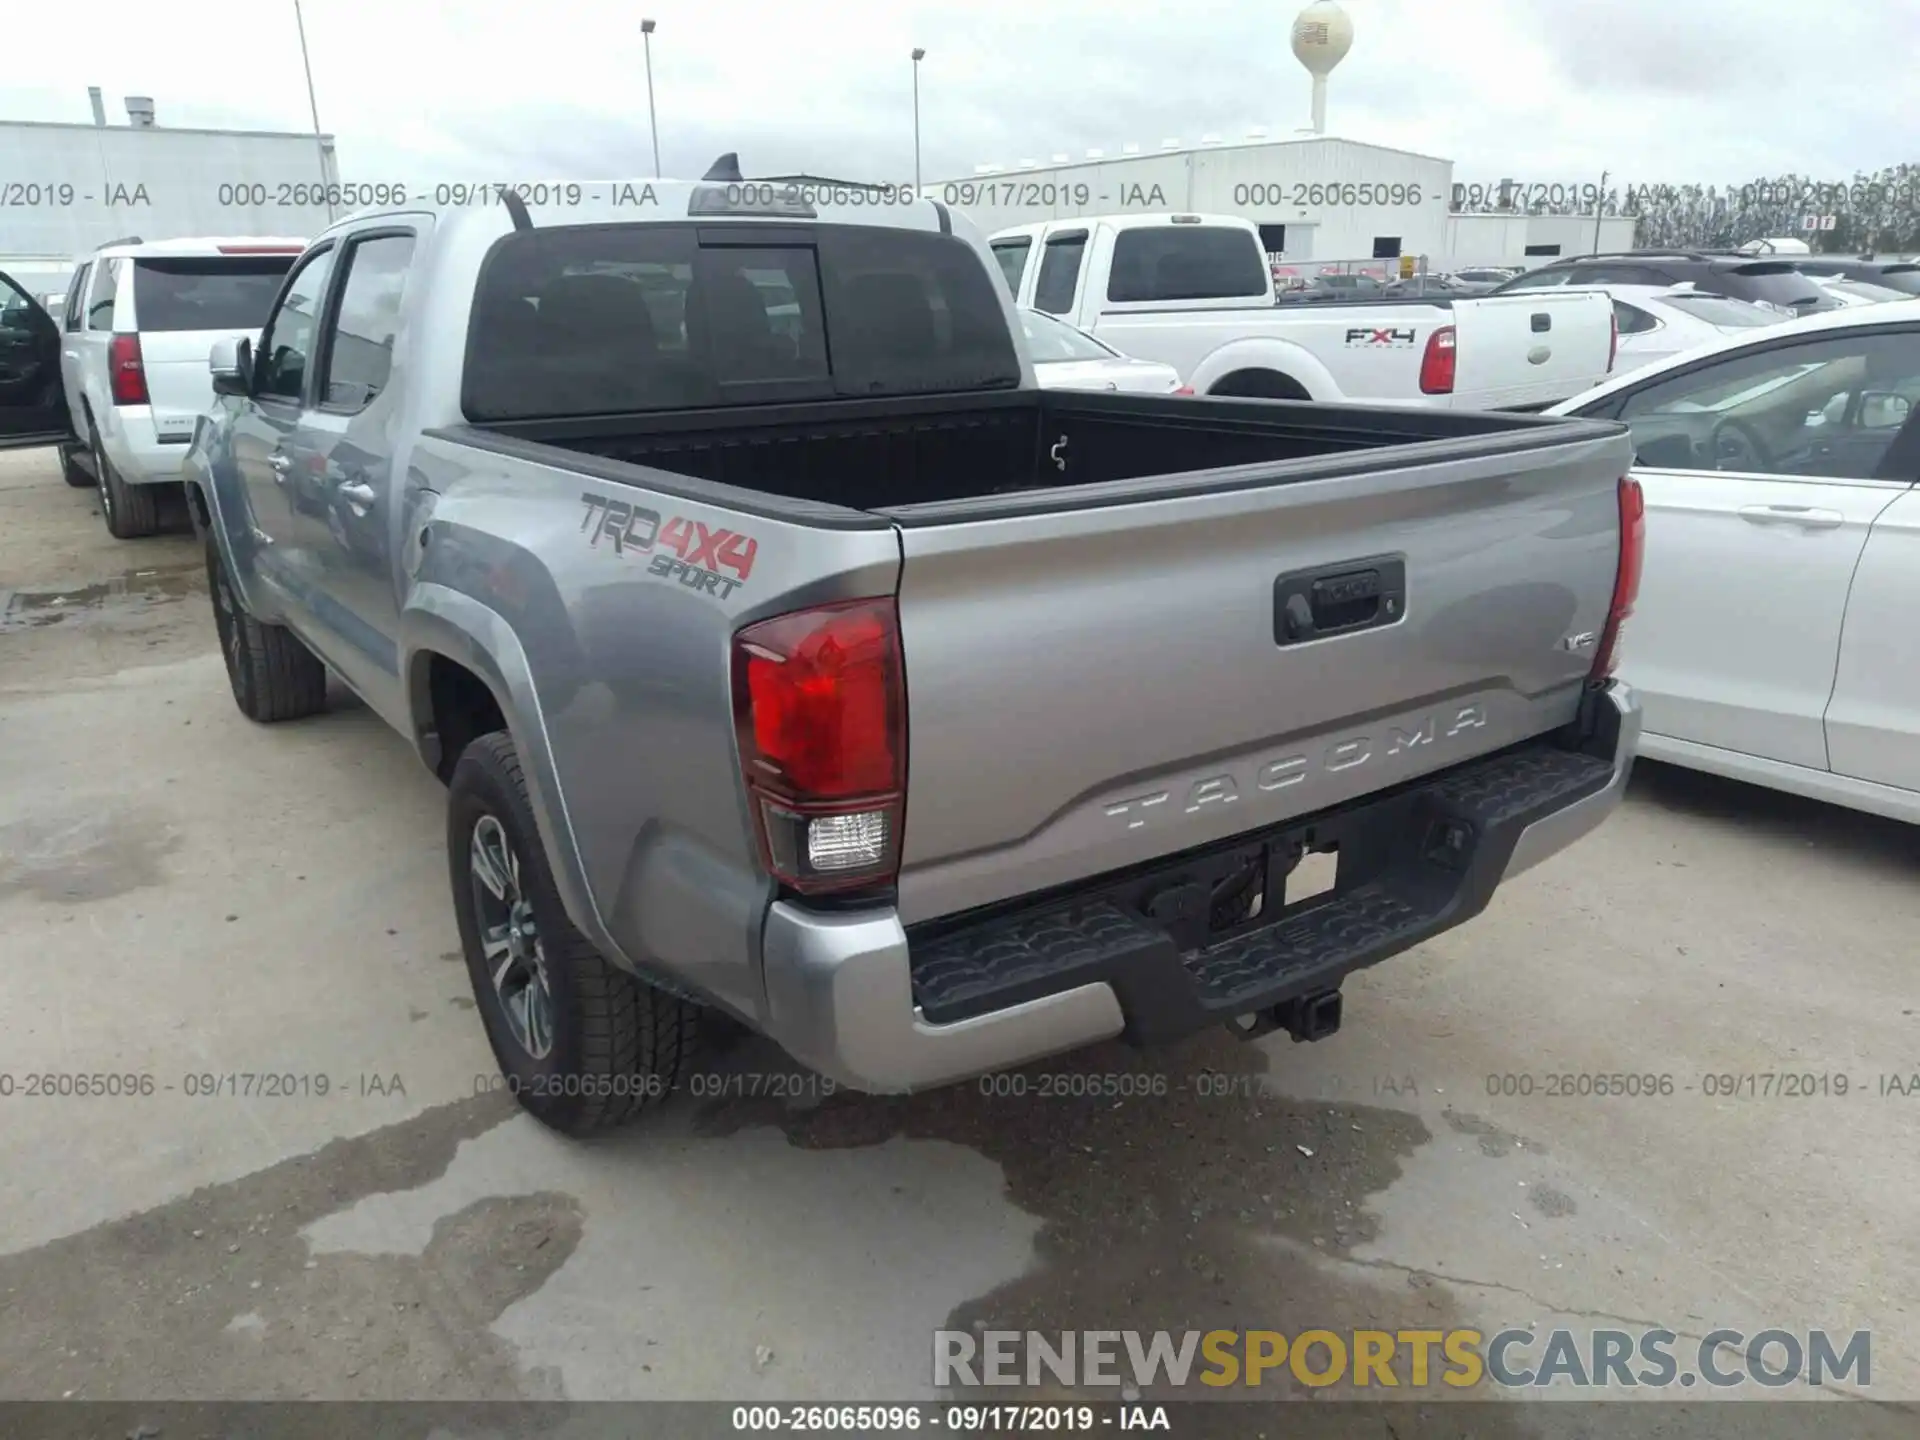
<point x="1774" y="281"/>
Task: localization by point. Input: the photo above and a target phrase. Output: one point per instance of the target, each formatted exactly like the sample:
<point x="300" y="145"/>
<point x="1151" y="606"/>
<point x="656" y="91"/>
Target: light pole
<point x="646" y="36"/>
<point x="1599" y="209"/>
<point x="313" y="108"/>
<point x="918" y="56"/>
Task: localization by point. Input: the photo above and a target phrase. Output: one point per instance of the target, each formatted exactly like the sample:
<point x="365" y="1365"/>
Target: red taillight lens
<point x="1183" y="390"/>
<point x="128" y="371"/>
<point x="819" y="701"/>
<point x="1436" y="365"/>
<point x="1613" y="339"/>
<point x="1626" y="580"/>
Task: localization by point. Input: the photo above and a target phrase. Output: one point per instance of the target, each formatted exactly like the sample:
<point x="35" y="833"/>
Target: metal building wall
<point x="1336" y="197"/>
<point x="70" y="188"/>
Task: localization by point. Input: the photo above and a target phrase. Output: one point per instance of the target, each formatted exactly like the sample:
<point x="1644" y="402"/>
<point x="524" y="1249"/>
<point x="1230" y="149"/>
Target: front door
<point x="1763" y="476"/>
<point x="274" y="487"/>
<point x="352" y="526"/>
<point x="33" y="403"/>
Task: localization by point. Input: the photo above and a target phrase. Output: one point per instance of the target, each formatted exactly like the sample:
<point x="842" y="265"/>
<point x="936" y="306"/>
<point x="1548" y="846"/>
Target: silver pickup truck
<point x="789" y="654"/>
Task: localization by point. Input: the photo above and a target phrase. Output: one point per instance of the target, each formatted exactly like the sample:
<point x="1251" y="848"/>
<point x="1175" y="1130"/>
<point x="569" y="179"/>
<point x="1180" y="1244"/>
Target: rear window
<point x="1718" y="310"/>
<point x="1904" y="278"/>
<point x="207" y="293"/>
<point x="601" y="319"/>
<point x="1777" y="285"/>
<point x="1186" y="262"/>
<point x="1051" y="341"/>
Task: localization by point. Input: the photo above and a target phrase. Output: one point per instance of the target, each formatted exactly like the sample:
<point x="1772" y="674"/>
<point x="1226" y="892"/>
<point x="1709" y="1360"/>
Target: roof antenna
<point x="727" y="167"/>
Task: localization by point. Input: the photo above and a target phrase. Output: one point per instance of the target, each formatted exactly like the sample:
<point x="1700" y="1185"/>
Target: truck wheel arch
<point x="1261" y="383"/>
<point x="453" y="706"/>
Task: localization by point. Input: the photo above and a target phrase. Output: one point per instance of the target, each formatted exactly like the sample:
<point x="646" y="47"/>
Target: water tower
<point x="1322" y="35"/>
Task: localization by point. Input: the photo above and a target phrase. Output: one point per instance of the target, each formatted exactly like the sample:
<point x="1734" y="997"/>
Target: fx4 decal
<point x="1391" y="338"/>
<point x="699" y="554"/>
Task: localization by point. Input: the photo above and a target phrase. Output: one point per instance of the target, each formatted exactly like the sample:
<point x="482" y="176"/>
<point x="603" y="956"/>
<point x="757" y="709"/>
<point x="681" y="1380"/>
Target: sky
<point x="1651" y="91"/>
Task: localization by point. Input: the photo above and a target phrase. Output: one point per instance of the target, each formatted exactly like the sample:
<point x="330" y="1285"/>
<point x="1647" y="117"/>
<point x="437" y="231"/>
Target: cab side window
<point x="360" y="339"/>
<point x="106" y="284"/>
<point x="76" y="298"/>
<point x="287" y="343"/>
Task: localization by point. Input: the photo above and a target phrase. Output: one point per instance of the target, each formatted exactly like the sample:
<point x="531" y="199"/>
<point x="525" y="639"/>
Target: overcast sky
<point x="1540" y="90"/>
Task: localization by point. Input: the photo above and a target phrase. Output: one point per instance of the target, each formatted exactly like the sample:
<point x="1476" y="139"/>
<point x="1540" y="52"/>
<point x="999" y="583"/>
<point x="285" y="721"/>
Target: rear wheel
<point x="274" y="677"/>
<point x="582" y="1045"/>
<point x="131" y="511"/>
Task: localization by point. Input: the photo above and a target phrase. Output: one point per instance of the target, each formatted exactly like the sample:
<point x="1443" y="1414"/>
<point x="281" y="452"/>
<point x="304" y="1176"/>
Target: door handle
<point x="1807" y="517"/>
<point x="359" y="495"/>
<point x="281" y="464"/>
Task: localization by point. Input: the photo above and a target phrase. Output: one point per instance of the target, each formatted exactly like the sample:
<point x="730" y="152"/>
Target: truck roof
<point x="1130" y="220"/>
<point x="587" y="202"/>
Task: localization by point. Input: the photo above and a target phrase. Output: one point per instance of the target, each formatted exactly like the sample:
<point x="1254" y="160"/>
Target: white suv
<point x="139" y="321"/>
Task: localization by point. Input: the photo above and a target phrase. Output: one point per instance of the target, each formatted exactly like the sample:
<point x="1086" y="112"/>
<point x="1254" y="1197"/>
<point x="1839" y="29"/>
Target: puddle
<point x="1205" y="1203"/>
<point x="90" y="855"/>
<point x="133" y="592"/>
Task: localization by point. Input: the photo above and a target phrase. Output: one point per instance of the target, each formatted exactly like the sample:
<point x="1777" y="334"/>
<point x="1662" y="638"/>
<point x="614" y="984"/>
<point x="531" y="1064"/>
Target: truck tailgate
<point x="1100" y="677"/>
<point x="1533" y="348"/>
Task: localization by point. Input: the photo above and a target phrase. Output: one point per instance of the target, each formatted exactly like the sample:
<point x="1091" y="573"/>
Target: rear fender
<point x="1282" y="356"/>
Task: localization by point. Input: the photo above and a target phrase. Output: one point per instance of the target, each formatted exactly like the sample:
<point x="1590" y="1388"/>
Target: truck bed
<point x="883" y="455"/>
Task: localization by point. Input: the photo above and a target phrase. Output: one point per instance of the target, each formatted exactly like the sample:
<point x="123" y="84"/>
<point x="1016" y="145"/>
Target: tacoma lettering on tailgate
<point x="699" y="553"/>
<point x="1218" y="791"/>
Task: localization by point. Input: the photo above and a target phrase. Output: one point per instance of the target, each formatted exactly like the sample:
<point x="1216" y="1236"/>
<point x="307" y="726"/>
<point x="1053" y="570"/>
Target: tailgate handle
<point x="1355" y="596"/>
<point x="1542" y="322"/>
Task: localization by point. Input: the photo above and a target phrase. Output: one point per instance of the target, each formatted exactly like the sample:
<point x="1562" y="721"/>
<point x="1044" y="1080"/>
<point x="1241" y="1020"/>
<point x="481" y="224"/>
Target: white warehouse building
<point x="1315" y="197"/>
<point x="73" y="187"/>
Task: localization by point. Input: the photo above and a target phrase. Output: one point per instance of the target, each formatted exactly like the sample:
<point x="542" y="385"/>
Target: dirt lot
<point x="185" y="894"/>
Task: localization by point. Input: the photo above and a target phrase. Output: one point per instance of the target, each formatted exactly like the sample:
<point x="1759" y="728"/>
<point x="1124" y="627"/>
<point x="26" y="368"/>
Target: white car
<point x="137" y="323"/>
<point x="1849" y="291"/>
<point x="1773" y="639"/>
<point x="1658" y="321"/>
<point x="1066" y="358"/>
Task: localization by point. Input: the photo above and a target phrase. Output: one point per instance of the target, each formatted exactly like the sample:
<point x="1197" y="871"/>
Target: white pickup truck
<point x="1196" y="292"/>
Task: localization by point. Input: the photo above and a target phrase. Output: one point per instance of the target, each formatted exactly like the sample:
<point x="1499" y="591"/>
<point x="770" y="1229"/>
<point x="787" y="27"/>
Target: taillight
<point x="819" y="704"/>
<point x="1613" y="338"/>
<point x="1436" y="365"/>
<point x="1626" y="580"/>
<point x="1183" y="390"/>
<point x="129" y="372"/>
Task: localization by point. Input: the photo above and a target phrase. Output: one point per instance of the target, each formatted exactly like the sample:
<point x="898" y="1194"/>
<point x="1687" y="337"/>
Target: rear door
<point x="1533" y="349"/>
<point x="1873" y="722"/>
<point x="1095" y="687"/>
<point x="182" y="305"/>
<point x="1763" y="472"/>
<point x="33" y="403"/>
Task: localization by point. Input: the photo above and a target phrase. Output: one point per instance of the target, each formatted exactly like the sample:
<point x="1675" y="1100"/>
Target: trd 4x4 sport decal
<point x="699" y="554"/>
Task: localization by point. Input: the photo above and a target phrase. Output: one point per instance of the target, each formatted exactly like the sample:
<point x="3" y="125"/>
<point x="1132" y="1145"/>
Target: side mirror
<point x="231" y="365"/>
<point x="1884" y="410"/>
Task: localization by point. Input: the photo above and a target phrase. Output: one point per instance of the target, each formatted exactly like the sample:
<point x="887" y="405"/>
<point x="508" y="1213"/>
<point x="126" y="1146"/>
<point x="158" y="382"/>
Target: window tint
<point x="1784" y="287"/>
<point x="1720" y="310"/>
<point x="1620" y="275"/>
<point x="106" y="284"/>
<point x="287" y="345"/>
<point x="360" y="341"/>
<point x="1828" y="407"/>
<point x="1186" y="262"/>
<point x="206" y="293"/>
<point x="1059" y="273"/>
<point x="76" y="292"/>
<point x="1538" y="280"/>
<point x="1631" y="319"/>
<point x="1050" y="340"/>
<point x="599" y="319"/>
<point x="1012" y="255"/>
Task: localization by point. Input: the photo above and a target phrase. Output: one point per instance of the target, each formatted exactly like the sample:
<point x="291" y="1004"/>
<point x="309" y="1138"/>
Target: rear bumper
<point x="880" y="1008"/>
<point x="139" y="457"/>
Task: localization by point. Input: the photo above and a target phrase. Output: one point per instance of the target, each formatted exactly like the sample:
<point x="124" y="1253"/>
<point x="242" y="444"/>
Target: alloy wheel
<point x="510" y="938"/>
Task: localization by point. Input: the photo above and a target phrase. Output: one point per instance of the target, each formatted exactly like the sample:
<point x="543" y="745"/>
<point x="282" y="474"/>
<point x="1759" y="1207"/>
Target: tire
<point x="132" y="512"/>
<point x="614" y="1045"/>
<point x="72" y="473"/>
<point x="274" y="677"/>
